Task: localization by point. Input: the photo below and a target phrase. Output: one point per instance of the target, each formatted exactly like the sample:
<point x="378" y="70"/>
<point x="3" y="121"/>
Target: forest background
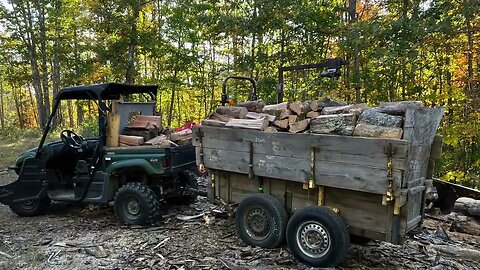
<point x="397" y="50"/>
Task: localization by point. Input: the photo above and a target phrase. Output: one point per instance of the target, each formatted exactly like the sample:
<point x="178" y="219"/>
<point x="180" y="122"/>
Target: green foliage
<point x="407" y="50"/>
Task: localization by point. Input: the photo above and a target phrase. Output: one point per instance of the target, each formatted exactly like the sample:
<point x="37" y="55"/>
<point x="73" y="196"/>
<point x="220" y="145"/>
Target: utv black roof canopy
<point x="106" y="91"/>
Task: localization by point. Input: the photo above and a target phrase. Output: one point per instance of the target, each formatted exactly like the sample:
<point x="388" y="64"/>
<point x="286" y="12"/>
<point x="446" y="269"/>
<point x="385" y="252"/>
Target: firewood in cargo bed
<point x="271" y="130"/>
<point x="283" y="124"/>
<point x="354" y="108"/>
<point x="233" y="112"/>
<point x="130" y="140"/>
<point x="299" y="126"/>
<point x="254" y="115"/>
<point x="149" y="122"/>
<point x="299" y="108"/>
<point x="253" y="106"/>
<point x="213" y="123"/>
<point x="367" y="130"/>
<point x="147" y="134"/>
<point x="399" y="107"/>
<point x="313" y="114"/>
<point x="317" y="105"/>
<point x="275" y="109"/>
<point x="340" y="124"/>
<point x="219" y="117"/>
<point x="258" y="124"/>
<point x="374" y="117"/>
<point x="157" y="140"/>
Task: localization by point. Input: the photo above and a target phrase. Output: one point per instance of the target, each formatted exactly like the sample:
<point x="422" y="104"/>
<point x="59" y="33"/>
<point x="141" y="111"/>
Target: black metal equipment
<point x="332" y="67"/>
<point x="224" y="87"/>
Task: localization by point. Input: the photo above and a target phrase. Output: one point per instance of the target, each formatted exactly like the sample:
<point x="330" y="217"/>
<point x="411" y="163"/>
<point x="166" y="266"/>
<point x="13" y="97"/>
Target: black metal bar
<point x="224" y="87"/>
<point x="47" y="127"/>
<point x="329" y="63"/>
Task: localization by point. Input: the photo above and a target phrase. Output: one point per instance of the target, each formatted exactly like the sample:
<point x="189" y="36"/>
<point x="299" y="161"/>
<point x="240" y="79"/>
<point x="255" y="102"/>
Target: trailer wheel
<point x="30" y="208"/>
<point x="136" y="204"/>
<point x="261" y="221"/>
<point x="318" y="237"/>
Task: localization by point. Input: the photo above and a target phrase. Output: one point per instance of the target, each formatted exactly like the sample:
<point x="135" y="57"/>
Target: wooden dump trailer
<point x="377" y="186"/>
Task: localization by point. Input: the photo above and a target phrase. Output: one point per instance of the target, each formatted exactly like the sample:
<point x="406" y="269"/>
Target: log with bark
<point x="367" y="130"/>
<point x="253" y="106"/>
<point x="213" y="123"/>
<point x="130" y="140"/>
<point x="340" y="124"/>
<point x="299" y="126"/>
<point x="275" y="109"/>
<point x="399" y="107"/>
<point x="467" y="206"/>
<point x="219" y="117"/>
<point x="233" y="112"/>
<point x="374" y="117"/>
<point x="317" y="105"/>
<point x="257" y="124"/>
<point x="354" y="108"/>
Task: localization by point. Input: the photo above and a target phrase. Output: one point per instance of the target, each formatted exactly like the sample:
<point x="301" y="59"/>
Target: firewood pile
<point x="147" y="130"/>
<point x="325" y="116"/>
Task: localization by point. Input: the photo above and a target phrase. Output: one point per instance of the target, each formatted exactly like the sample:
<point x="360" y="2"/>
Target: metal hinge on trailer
<point x="389" y="196"/>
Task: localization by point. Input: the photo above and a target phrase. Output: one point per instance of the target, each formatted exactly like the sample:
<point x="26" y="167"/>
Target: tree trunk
<point x="2" y="116"/>
<point x="172" y="100"/>
<point x="130" y="74"/>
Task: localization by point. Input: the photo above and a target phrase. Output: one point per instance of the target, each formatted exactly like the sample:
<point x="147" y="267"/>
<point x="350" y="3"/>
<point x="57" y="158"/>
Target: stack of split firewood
<point x="147" y="130"/>
<point x="325" y="116"/>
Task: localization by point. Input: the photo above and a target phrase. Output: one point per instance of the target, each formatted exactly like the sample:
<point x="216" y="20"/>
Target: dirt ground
<point x="90" y="237"/>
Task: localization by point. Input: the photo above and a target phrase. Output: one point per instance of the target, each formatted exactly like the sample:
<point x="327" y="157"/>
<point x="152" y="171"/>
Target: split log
<point x="284" y="114"/>
<point x="181" y="136"/>
<point x="354" y="108"/>
<point x="213" y="123"/>
<point x="157" y="140"/>
<point x="233" y="112"/>
<point x="317" y="105"/>
<point x="131" y="140"/>
<point x="219" y="117"/>
<point x="313" y="114"/>
<point x="467" y="206"/>
<point x="375" y="117"/>
<point x="258" y="124"/>
<point x="292" y="119"/>
<point x="147" y="134"/>
<point x="254" y="115"/>
<point x="464" y="224"/>
<point x="299" y="108"/>
<point x="367" y="130"/>
<point x="340" y="124"/>
<point x="299" y="126"/>
<point x="275" y="109"/>
<point x="399" y="107"/>
<point x="146" y="121"/>
<point x="253" y="106"/>
<point x="283" y="124"/>
<point x="271" y="130"/>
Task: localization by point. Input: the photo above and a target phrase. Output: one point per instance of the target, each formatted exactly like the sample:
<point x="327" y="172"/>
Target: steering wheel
<point x="72" y="139"/>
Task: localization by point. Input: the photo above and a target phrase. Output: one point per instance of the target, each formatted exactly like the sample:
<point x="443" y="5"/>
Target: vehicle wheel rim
<point x="257" y="223"/>
<point x="313" y="239"/>
<point x="131" y="207"/>
<point x="29" y="205"/>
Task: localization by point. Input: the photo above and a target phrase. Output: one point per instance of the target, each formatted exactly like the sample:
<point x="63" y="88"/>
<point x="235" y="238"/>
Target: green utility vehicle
<point x="137" y="179"/>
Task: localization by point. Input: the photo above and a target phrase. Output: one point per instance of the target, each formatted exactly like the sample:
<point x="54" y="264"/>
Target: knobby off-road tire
<point x="261" y="221"/>
<point x="30" y="208"/>
<point x="318" y="237"/>
<point x="136" y="204"/>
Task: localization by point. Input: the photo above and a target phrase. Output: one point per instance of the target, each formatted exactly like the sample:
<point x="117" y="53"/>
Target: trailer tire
<point x="136" y="204"/>
<point x="318" y="237"/>
<point x="30" y="208"/>
<point x="261" y="220"/>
